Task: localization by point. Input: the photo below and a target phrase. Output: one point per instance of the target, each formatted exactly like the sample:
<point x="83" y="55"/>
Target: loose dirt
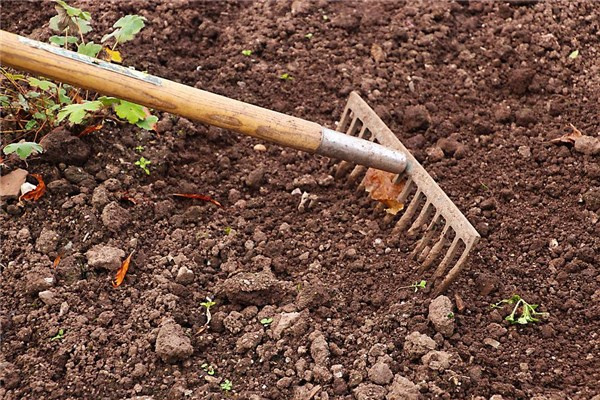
<point x="308" y="304"/>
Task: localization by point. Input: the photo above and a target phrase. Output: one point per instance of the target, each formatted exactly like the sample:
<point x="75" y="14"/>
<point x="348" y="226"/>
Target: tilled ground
<point x="476" y="90"/>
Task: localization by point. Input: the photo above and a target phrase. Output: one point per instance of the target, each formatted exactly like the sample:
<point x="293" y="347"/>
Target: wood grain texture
<point x="172" y="97"/>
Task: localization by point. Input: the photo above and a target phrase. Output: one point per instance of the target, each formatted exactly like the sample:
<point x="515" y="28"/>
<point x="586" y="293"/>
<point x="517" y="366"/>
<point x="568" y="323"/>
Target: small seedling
<point x="528" y="311"/>
<point x="247" y="53"/>
<point x="227" y="230"/>
<point x="209" y="369"/>
<point x="417" y="285"/>
<point x="450" y="315"/>
<point x="207" y="304"/>
<point x="226" y="386"/>
<point x="286" y="77"/>
<point x="59" y="335"/>
<point x="23" y="149"/>
<point x="266" y="321"/>
<point x="139" y="149"/>
<point x="309" y="36"/>
<point x="574" y="54"/>
<point x="143" y="164"/>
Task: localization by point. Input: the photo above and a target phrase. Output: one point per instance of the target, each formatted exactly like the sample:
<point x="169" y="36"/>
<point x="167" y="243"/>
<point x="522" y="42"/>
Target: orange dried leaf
<point x="569" y="138"/>
<point x="89" y="130"/>
<point x="199" y="197"/>
<point x="125" y="196"/>
<point x="122" y="272"/>
<point x="57" y="261"/>
<point x="36" y="193"/>
<point x="381" y="187"/>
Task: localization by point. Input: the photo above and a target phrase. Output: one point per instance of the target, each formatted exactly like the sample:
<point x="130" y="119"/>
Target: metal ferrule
<point x="360" y="151"/>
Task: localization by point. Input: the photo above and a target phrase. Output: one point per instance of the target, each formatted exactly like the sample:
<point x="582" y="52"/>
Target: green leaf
<point x="32" y="95"/>
<point x="84" y="25"/>
<point x="62" y="96"/>
<point x="42" y="84"/>
<point x="60" y="40"/>
<point x="266" y="321"/>
<point x="40" y="116"/>
<point x="574" y="54"/>
<point x="286" y="77"/>
<point x="127" y="27"/>
<point x="247" y="52"/>
<point x="77" y="112"/>
<point x="130" y="111"/>
<point x="73" y="11"/>
<point x="89" y="49"/>
<point x="148" y="123"/>
<point x="4" y="102"/>
<point x="108" y="101"/>
<point x="31" y="124"/>
<point x="23" y="102"/>
<point x="23" y="149"/>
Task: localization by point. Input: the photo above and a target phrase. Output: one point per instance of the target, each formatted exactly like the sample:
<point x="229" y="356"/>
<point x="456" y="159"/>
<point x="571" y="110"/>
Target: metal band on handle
<point x="338" y="145"/>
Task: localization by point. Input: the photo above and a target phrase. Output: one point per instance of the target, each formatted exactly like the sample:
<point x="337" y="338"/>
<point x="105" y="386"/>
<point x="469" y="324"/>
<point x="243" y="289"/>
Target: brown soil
<point x="494" y="80"/>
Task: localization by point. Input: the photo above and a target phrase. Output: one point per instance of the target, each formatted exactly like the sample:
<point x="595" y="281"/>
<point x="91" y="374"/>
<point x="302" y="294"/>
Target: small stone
<point x="488" y="204"/>
<point x="441" y="315"/>
<point x="305" y="182"/>
<point x="172" y="344"/>
<point x="417" y="345"/>
<point x="260" y="147"/>
<point x="319" y="350"/>
<point x="36" y="282"/>
<point x="502" y="113"/>
<point x="185" y="276"/>
<point x="449" y="146"/>
<point x="325" y="180"/>
<point x="100" y="197"/>
<point x="377" y="53"/>
<point x="491" y="342"/>
<point x="591" y="198"/>
<point x="380" y="373"/>
<point x="47" y="241"/>
<point x="258" y="288"/>
<point x="248" y="341"/>
<point x="337" y="371"/>
<point x="105" y="257"/>
<point x="403" y="389"/>
<point x="48" y="297"/>
<point x="61" y="146"/>
<point x="10" y="184"/>
<point x="588" y="145"/>
<point x="369" y="391"/>
<point x="524" y="151"/>
<point x="437" y="360"/>
<point x="434" y="154"/>
<point x="496" y="330"/>
<point x="255" y="178"/>
<point x="284" y="382"/>
<point x="115" y="217"/>
<point x="416" y="118"/>
<point x="76" y="174"/>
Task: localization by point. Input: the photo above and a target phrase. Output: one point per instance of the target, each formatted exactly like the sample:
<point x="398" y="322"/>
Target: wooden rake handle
<point x="161" y="94"/>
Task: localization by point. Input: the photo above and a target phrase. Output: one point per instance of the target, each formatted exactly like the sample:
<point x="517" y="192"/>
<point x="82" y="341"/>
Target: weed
<point x="417" y="285"/>
<point x="226" y="386"/>
<point x="450" y="315"/>
<point x="139" y="149"/>
<point x="266" y="321"/>
<point x="309" y="36"/>
<point x="143" y="164"/>
<point x="209" y="369"/>
<point x="528" y="311"/>
<point x="23" y="149"/>
<point x="207" y="304"/>
<point x="59" y="335"/>
<point x="227" y="230"/>
<point x="286" y="77"/>
<point x="574" y="54"/>
<point x="247" y="53"/>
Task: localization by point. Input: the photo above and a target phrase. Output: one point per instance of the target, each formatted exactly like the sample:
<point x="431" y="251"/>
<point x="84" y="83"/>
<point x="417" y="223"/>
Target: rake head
<point x="446" y="236"/>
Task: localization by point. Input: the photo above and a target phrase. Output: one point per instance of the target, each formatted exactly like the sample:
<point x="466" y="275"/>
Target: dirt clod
<point x="172" y="344"/>
<point x="416" y="118"/>
<point x="47" y="241"/>
<point x="115" y="217"/>
<point x="105" y="257"/>
<point x="417" y="344"/>
<point x="258" y="288"/>
<point x="403" y="389"/>
<point x="60" y="146"/>
<point x="369" y="391"/>
<point x="380" y="373"/>
<point x="441" y="315"/>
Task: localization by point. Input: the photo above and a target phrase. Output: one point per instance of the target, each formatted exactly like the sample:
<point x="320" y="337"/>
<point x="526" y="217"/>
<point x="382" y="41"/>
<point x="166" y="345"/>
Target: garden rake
<point x="367" y="142"/>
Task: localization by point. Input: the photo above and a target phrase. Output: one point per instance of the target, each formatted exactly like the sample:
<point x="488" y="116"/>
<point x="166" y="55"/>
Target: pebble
<point x="434" y="154"/>
<point x="588" y="145"/>
<point x="380" y="373"/>
<point x="47" y="241"/>
<point x="417" y="345"/>
<point x="524" y="151"/>
<point x="260" y="147"/>
<point x="255" y="178"/>
<point x="491" y="342"/>
<point x="36" y="282"/>
<point x="185" y="276"/>
<point x="172" y="344"/>
<point x="105" y="257"/>
<point x="48" y="297"/>
<point x="441" y="315"/>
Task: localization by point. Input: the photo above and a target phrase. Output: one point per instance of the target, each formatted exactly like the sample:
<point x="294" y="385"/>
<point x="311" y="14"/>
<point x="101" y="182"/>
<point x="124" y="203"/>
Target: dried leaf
<point x="381" y="187"/>
<point x="36" y="193"/>
<point x="113" y="55"/>
<point x="199" y="197"/>
<point x="90" y="129"/>
<point x="569" y="138"/>
<point x="122" y="272"/>
<point x="125" y="196"/>
<point x="57" y="261"/>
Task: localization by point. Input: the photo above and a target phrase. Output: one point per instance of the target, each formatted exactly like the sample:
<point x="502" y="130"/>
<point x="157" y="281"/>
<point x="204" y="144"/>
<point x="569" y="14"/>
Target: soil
<point x="476" y="90"/>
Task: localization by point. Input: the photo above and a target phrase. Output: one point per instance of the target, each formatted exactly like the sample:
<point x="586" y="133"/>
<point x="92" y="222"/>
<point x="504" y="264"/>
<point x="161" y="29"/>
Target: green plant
<point x="286" y="77"/>
<point x="143" y="164"/>
<point x="450" y="315"/>
<point x="139" y="149"/>
<point x="528" y="311"/>
<point x="417" y="285"/>
<point x="209" y="369"/>
<point x="247" y="53"/>
<point x="23" y="149"/>
<point x="207" y="305"/>
<point x="227" y="385"/>
<point x="574" y="54"/>
<point x="228" y="230"/>
<point x="309" y="36"/>
<point x="59" y="335"/>
<point x="266" y="321"/>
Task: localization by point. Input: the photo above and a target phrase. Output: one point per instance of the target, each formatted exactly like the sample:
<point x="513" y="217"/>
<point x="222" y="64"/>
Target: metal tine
<point x="345" y="166"/>
<point x="410" y="211"/>
<point x="423" y="216"/>
<point x="450" y="254"/>
<point x="344" y="120"/>
<point x="453" y="274"/>
<point x="436" y="249"/>
<point x="429" y="232"/>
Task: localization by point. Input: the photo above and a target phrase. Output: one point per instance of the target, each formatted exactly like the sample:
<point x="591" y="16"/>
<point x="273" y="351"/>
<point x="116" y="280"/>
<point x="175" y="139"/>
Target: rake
<point x="362" y="140"/>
